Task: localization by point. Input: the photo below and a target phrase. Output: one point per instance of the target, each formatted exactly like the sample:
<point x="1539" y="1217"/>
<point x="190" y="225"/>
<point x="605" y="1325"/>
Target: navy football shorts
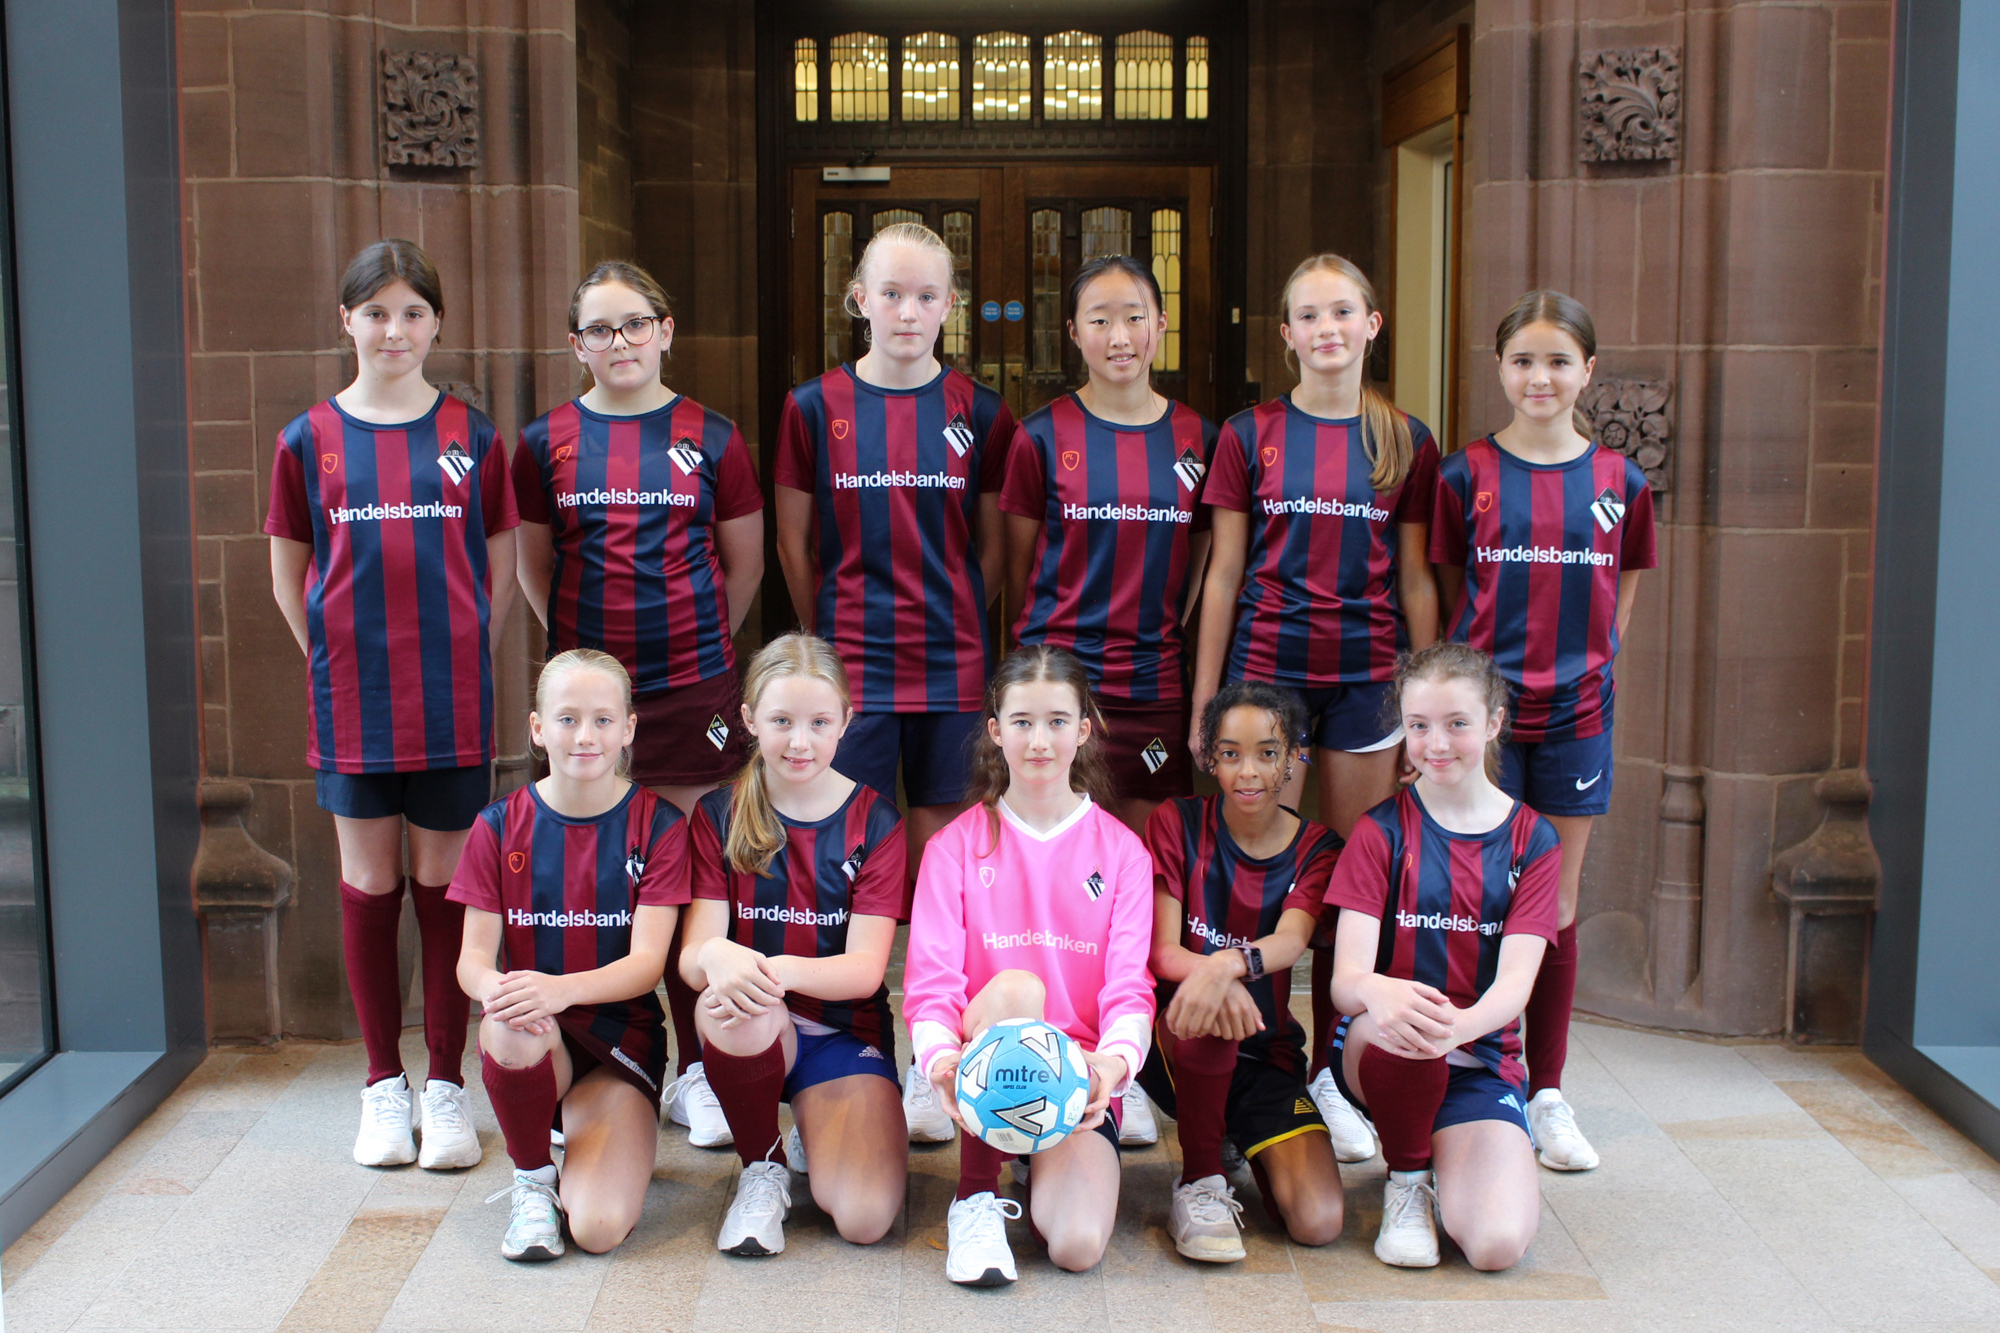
<point x="1571" y="777"/>
<point x="826" y="1056"/>
<point x="1471" y="1093"/>
<point x="444" y="800"/>
<point x="1355" y="718"/>
<point x="934" y="749"/>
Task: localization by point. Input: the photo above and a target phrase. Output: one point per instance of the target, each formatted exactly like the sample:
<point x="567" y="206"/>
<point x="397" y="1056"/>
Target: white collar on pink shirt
<point x="1069" y="822"/>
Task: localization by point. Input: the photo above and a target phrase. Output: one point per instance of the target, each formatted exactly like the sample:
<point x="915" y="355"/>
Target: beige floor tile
<point x="1554" y="1269"/>
<point x="1684" y="1250"/>
<point x="1793" y="1124"/>
<point x="1865" y="1128"/>
<point x="1673" y="1079"/>
<point x="1782" y="1063"/>
<point x="364" y="1272"/>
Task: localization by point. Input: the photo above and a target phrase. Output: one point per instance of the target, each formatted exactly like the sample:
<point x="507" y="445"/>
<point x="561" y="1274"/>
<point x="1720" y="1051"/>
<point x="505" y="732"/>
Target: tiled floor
<point x="1743" y="1187"/>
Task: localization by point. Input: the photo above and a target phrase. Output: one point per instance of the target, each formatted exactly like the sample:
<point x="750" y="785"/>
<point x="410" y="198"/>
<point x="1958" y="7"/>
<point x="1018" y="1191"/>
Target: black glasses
<point x="637" y="332"/>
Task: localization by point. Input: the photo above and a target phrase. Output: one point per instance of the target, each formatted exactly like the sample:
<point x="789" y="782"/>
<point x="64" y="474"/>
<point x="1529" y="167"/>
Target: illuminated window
<point x="930" y="76"/>
<point x="1197" y="78"/>
<point x="1072" y="77"/>
<point x="805" y="78"/>
<point x="1144" y="77"/>
<point x="859" y="77"/>
<point x="1045" y="250"/>
<point x="1003" y="79"/>
<point x="836" y="248"/>
<point x="958" y="327"/>
<point x="1106" y="231"/>
<point x="1167" y="272"/>
<point x="889" y="217"/>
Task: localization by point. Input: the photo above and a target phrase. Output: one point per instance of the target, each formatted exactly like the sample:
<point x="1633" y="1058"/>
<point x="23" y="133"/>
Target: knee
<point x="1314" y="1221"/>
<point x="1076" y="1246"/>
<point x="597" y="1230"/>
<point x="510" y="1048"/>
<point x="864" y="1221"/>
<point x="1018" y="994"/>
<point x="1495" y="1247"/>
<point x="372" y="882"/>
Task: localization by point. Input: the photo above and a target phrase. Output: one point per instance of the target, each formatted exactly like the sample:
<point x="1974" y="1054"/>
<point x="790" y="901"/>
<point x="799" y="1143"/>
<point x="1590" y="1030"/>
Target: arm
<point x="795" y="556"/>
<point x="1503" y="1001"/>
<point x="1022" y="533"/>
<point x="535" y="559"/>
<point x="934" y="980"/>
<point x="1628" y="596"/>
<point x="1212" y="999"/>
<point x="1416" y="589"/>
<point x="740" y="978"/>
<point x="1451" y="586"/>
<point x="1416" y="1021"/>
<point x="1228" y="547"/>
<point x="1197" y="570"/>
<point x="852" y="975"/>
<point x="992" y="537"/>
<point x="500" y="558"/>
<point x="521" y="999"/>
<point x="289" y="560"/>
<point x="739" y="543"/>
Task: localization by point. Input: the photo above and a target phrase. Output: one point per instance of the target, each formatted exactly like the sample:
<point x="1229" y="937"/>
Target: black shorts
<point x="444" y="800"/>
<point x="691" y="735"/>
<point x="1266" y="1104"/>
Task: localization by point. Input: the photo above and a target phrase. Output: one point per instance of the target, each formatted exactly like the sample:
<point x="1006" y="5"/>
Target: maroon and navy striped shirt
<point x="1318" y="605"/>
<point x="400" y="677"/>
<point x="846" y="865"/>
<point x="631" y="504"/>
<point x="1542" y="546"/>
<point x="1229" y="899"/>
<point x="896" y="476"/>
<point x="565" y="890"/>
<point x="1116" y="505"/>
<point x="1447" y="900"/>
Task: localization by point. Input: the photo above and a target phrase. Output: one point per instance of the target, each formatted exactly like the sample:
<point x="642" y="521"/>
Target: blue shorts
<point x="826" y="1056"/>
<point x="935" y="750"/>
<point x="1470" y="1093"/>
<point x="1355" y="718"/>
<point x="444" y="800"/>
<point x="1570" y="777"/>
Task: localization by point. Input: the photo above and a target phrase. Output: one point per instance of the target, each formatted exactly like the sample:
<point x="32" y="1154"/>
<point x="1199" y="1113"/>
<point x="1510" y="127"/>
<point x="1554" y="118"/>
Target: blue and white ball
<point x="1023" y="1085"/>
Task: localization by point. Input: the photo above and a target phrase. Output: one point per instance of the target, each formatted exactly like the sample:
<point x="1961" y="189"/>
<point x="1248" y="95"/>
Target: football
<point x="1022" y="1085"/>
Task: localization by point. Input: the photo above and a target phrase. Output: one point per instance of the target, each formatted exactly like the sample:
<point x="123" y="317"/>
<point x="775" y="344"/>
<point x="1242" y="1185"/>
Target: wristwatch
<point x="1253" y="961"/>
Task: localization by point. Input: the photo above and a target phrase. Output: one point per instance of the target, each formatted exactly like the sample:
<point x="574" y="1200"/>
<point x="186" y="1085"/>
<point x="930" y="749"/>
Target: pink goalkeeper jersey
<point x="1074" y="906"/>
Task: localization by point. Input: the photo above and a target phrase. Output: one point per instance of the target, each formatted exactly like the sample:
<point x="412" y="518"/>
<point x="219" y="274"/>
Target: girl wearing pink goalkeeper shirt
<point x="1035" y="903"/>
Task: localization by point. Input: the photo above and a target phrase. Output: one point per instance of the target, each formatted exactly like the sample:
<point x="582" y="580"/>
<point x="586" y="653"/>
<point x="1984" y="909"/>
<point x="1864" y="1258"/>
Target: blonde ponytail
<point x="1385" y="431"/>
<point x="756" y="835"/>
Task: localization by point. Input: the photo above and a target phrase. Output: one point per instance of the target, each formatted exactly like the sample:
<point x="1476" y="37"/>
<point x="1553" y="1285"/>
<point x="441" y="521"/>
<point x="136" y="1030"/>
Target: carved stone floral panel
<point x="1631" y="417"/>
<point x="1630" y="103"/>
<point x="430" y="109"/>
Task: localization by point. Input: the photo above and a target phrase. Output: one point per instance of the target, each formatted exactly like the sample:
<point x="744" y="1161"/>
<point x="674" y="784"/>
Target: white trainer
<point x="1136" y="1126"/>
<point x="927" y="1120"/>
<point x="976" y="1251"/>
<point x="795" y="1150"/>
<point x="534" y="1229"/>
<point x="449" y="1139"/>
<point x="690" y="1101"/>
<point x="1409" y="1237"/>
<point x="385" y="1138"/>
<point x="1562" y="1145"/>
<point x="1353" y="1140"/>
<point x="755" y="1223"/>
<point x="1206" y="1222"/>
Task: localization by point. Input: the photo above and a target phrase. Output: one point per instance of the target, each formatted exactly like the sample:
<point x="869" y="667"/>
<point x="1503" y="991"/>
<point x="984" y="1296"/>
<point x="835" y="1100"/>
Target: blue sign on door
<point x="990" y="312"/>
<point x="1014" y="312"/>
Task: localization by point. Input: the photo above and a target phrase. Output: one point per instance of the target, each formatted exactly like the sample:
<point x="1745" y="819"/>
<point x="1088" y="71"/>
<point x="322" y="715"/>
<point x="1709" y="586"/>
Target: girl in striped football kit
<point x="1035" y="903"/>
<point x="1447" y="902"/>
<point x="642" y="533"/>
<point x="1539" y="536"/>
<point x="798" y="886"/>
<point x="392" y="541"/>
<point x="571" y="888"/>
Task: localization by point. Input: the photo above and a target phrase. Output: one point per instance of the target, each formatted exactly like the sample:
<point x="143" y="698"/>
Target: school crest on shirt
<point x="958" y="434"/>
<point x="328" y="462"/>
<point x="515" y="860"/>
<point x="1482" y="502"/>
<point x="986" y="877"/>
<point x="1154" y="756"/>
<point x="840" y="428"/>
<point x="1608" y="508"/>
<point x="563" y="451"/>
<point x="1071" y="458"/>
<point x="635" y="864"/>
<point x="686" y="457"/>
<point x="457" y="463"/>
<point x="852" y="865"/>
<point x="718" y="732"/>
<point x="1269" y="453"/>
<point x="1513" y="876"/>
<point x="1093" y="887"/>
<point x="1189" y="468"/>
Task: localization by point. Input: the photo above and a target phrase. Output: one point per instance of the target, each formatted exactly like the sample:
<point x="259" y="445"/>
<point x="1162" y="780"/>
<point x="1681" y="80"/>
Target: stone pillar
<point x="1829" y="883"/>
<point x="238" y="889"/>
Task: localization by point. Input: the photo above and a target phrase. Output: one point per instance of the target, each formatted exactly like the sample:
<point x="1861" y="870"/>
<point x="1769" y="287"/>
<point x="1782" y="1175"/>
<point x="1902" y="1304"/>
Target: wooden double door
<point x="1017" y="234"/>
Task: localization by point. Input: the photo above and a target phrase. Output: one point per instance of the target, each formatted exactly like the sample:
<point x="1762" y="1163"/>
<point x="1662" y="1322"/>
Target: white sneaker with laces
<point x="1353" y="1140"/>
<point x="449" y="1139"/>
<point x="690" y="1101"/>
<point x="927" y="1120"/>
<point x="755" y="1223"/>
<point x="1409" y="1237"/>
<point x="795" y="1150"/>
<point x="976" y="1251"/>
<point x="1136" y="1126"/>
<point x="1206" y="1222"/>
<point x="534" y="1230"/>
<point x="1562" y="1145"/>
<point x="385" y="1138"/>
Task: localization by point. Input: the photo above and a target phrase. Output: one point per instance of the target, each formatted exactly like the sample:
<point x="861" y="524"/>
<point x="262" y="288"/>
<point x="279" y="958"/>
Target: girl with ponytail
<point x="798" y="886"/>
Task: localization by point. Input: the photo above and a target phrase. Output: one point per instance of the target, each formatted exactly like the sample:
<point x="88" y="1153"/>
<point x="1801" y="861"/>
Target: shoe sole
<point x="749" y="1248"/>
<point x="992" y="1277"/>
<point x="1350" y="1153"/>
<point x="464" y="1159"/>
<point x="1188" y="1251"/>
<point x="1406" y="1263"/>
<point x="386" y="1161"/>
<point x="725" y="1141"/>
<point x="1138" y="1140"/>
<point x="533" y="1254"/>
<point x="1543" y="1158"/>
<point x="930" y="1136"/>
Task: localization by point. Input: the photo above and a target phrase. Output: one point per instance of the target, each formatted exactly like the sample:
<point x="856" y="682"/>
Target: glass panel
<point x="930" y="76"/>
<point x="1145" y="77"/>
<point x="1197" y="78"/>
<point x="1167" y="272"/>
<point x="1045" y="268"/>
<point x="1003" y="80"/>
<point x="1106" y="231"/>
<point x="836" y="249"/>
<point x="859" y="77"/>
<point x="958" y="326"/>
<point x="805" y="79"/>
<point x="1072" y="77"/>
<point x="889" y="217"/>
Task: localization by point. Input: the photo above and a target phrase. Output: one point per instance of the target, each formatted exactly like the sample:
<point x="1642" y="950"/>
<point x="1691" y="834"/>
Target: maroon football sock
<point x="441" y="924"/>
<point x="1547" y="1014"/>
<point x="524" y="1102"/>
<point x="978" y="1166"/>
<point x="680" y="1005"/>
<point x="1323" y="1015"/>
<point x="1403" y="1097"/>
<point x="748" y="1086"/>
<point x="1203" y="1068"/>
<point x="368" y="923"/>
